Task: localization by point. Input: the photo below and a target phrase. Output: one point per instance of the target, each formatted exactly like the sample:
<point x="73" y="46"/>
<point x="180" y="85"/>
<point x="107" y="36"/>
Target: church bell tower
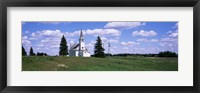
<point x="81" y="44"/>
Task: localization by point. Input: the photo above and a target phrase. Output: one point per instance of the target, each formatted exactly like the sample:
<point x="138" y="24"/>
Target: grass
<point x="50" y="63"/>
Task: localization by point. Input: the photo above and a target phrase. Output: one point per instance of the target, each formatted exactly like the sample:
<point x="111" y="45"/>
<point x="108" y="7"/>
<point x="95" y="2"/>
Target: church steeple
<point x="81" y="44"/>
<point x="81" y="36"/>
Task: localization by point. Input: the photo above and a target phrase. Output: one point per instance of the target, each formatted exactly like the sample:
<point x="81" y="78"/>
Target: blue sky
<point x="124" y="37"/>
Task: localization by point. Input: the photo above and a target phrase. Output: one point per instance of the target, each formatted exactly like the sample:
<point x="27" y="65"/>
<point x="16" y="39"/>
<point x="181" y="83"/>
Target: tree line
<point x="160" y="54"/>
<point x="31" y="53"/>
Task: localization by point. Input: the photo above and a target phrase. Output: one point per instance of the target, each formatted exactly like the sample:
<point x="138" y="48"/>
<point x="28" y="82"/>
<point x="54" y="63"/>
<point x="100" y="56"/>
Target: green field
<point x="50" y="63"/>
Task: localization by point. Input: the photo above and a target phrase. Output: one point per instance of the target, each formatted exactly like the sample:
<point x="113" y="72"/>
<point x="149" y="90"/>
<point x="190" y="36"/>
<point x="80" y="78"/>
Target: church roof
<point x="74" y="46"/>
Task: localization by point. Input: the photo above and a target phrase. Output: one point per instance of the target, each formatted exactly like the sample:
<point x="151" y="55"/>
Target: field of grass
<point x="50" y="63"/>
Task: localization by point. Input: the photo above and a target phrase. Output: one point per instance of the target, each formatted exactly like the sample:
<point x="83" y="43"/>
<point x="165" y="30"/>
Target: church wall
<point x="76" y="53"/>
<point x="86" y="54"/>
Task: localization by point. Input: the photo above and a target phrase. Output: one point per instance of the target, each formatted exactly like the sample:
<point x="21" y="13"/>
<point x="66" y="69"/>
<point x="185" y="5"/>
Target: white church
<point x="79" y="50"/>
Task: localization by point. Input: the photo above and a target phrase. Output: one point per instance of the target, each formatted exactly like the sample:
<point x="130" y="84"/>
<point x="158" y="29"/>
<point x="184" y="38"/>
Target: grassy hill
<point x="50" y="63"/>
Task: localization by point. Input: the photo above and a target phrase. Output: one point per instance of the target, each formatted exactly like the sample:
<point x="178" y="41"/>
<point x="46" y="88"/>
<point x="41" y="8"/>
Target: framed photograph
<point x="79" y="46"/>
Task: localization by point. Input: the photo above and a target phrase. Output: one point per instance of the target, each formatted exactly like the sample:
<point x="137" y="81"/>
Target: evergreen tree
<point x="63" y="47"/>
<point x="98" y="49"/>
<point x="23" y="52"/>
<point x="31" y="53"/>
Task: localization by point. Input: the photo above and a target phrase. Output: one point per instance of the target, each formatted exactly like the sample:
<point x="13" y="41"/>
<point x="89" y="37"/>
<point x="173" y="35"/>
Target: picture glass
<point x="99" y="45"/>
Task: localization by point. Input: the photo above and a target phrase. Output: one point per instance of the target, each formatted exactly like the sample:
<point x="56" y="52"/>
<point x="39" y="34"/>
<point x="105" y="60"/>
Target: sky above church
<point x="124" y="37"/>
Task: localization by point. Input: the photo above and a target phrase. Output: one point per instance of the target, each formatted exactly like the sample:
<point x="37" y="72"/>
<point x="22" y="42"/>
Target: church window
<point x="82" y="47"/>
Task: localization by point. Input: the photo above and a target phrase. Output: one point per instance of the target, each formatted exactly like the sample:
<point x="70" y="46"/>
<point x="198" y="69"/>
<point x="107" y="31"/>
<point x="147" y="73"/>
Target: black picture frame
<point x="98" y="3"/>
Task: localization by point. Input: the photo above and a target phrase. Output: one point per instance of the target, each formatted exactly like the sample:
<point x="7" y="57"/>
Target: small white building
<point x="79" y="50"/>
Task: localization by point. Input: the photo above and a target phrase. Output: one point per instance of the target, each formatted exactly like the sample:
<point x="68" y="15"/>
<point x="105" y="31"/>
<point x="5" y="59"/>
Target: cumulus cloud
<point x="129" y="43"/>
<point x="147" y="40"/>
<point x="174" y="34"/>
<point x="126" y="25"/>
<point x="167" y="44"/>
<point x="109" y="40"/>
<point x="154" y="40"/>
<point x="111" y="32"/>
<point x="170" y="43"/>
<point x="51" y="33"/>
<point x="46" y="40"/>
<point x="71" y="34"/>
<point x="25" y="41"/>
<point x="113" y="41"/>
<point x="48" y="33"/>
<point x="24" y="37"/>
<point x="144" y="33"/>
<point x="95" y="32"/>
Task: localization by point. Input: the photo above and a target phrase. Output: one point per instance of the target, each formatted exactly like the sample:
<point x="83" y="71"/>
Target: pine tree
<point x="63" y="47"/>
<point x="23" y="52"/>
<point x="98" y="49"/>
<point x="31" y="53"/>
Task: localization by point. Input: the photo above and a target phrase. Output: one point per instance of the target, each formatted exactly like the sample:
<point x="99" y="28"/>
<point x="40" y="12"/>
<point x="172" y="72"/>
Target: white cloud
<point x="167" y="39"/>
<point x="143" y="40"/>
<point x="47" y="40"/>
<point x="125" y="25"/>
<point x="111" y="40"/>
<point x="24" y="37"/>
<point x="170" y="43"/>
<point x="103" y="39"/>
<point x="49" y="33"/>
<point x="144" y="33"/>
<point x="26" y="43"/>
<point x="110" y="32"/>
<point x="146" y="40"/>
<point x="32" y="38"/>
<point x="129" y="43"/>
<point x="33" y="34"/>
<point x="166" y="44"/>
<point x="174" y="34"/>
<point x="71" y="34"/>
<point x="95" y="32"/>
<point x="40" y="35"/>
<point x="169" y="32"/>
<point x="154" y="40"/>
